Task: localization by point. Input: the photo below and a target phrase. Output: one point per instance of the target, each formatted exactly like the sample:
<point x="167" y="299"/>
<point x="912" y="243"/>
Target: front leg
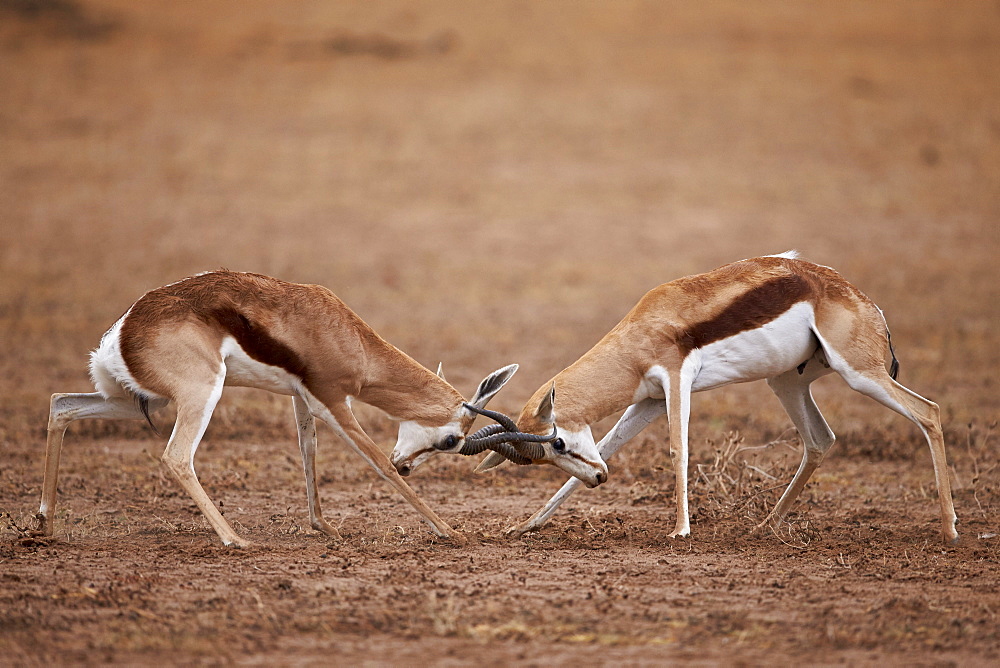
<point x="636" y="418"/>
<point x="306" y="425"/>
<point x="64" y="409"/>
<point x="339" y="416"/>
<point x="679" y="412"/>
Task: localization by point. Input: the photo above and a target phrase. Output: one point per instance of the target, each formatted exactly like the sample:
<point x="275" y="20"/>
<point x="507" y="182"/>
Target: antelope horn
<point x="527" y="445"/>
<point x="493" y="415"/>
<point x="482" y="439"/>
<point x="531" y="449"/>
<point x="485" y="439"/>
<point x="505" y="450"/>
<point x="488" y="430"/>
<point x="509" y="452"/>
<point x="511" y="432"/>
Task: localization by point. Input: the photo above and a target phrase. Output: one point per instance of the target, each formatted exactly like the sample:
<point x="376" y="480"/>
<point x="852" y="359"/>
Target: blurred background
<point x="499" y="182"/>
<point x="486" y="183"/>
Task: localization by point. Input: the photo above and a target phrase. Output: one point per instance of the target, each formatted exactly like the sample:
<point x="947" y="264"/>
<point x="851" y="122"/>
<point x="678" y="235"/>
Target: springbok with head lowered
<point x="777" y="318"/>
<point x="185" y="341"/>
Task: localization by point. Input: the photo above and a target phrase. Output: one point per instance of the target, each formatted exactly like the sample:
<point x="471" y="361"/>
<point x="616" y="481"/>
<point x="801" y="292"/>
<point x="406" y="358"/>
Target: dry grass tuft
<point x="738" y="478"/>
<point x="744" y="482"/>
<point x="977" y="467"/>
<point x="22" y="532"/>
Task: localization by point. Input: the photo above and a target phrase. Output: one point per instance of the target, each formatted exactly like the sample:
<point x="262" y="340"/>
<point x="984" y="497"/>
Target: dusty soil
<point x="485" y="184"/>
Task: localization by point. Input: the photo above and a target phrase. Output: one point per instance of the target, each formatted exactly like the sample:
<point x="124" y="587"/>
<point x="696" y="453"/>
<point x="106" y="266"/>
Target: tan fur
<point x="687" y="314"/>
<point x="171" y="343"/>
<point x="604" y="380"/>
<point x="172" y="334"/>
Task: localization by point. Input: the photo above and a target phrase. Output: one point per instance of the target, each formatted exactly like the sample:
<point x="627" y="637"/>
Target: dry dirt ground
<point x="488" y="183"/>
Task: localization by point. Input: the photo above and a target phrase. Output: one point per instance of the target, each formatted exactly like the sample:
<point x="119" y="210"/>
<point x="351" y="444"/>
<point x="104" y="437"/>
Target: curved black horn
<point x="484" y="439"/>
<point x="488" y="430"/>
<point x="476" y="443"/>
<point x="494" y="415"/>
<point x="535" y="438"/>
<point x="489" y="441"/>
<point x="511" y="428"/>
<point x="527" y="446"/>
<point x="531" y="451"/>
<point x="505" y="450"/>
<point x="511" y="454"/>
<point x="505" y="435"/>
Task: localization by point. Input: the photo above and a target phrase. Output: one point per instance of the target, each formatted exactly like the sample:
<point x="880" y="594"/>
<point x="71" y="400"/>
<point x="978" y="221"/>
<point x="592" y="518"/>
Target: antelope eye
<point x="450" y="441"/>
<point x="559" y="445"/>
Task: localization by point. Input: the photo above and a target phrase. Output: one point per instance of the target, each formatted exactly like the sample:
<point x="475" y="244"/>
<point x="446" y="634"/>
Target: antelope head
<point x="417" y="442"/>
<point x="574" y="451"/>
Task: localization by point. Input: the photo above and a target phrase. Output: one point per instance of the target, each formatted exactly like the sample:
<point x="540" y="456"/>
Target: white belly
<point x="778" y="346"/>
<point x="244" y="371"/>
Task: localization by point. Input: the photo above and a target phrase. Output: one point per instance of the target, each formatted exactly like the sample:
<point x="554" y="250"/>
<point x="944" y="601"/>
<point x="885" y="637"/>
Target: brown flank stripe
<point x="752" y="310"/>
<point x="209" y="298"/>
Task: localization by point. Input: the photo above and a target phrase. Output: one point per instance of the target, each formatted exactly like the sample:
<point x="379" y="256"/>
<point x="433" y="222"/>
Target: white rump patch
<point x="108" y="370"/>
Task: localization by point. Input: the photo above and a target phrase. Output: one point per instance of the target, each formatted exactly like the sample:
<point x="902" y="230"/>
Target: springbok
<point x="777" y="318"/>
<point x="185" y="341"/>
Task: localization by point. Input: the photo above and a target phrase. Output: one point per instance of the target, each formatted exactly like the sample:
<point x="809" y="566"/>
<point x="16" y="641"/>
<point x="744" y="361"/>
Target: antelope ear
<point x="491" y="385"/>
<point x="440" y="372"/>
<point x="491" y="460"/>
<point x="547" y="406"/>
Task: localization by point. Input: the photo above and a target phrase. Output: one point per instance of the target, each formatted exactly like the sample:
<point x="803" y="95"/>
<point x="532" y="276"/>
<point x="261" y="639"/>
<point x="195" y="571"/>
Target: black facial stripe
<point x="582" y="459"/>
<point x="420" y="452"/>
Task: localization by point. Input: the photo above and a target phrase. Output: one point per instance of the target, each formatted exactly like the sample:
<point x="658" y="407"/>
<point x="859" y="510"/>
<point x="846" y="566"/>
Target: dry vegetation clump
<point x="21" y="531"/>
<point x="975" y="467"/>
<point x="736" y="475"/>
<point x="730" y="480"/>
<point x="743" y="482"/>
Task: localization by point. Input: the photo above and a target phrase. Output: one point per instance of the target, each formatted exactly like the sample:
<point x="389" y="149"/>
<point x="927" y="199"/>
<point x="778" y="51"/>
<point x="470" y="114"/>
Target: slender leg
<point x="927" y="415"/>
<point x="194" y="411"/>
<point x="792" y="389"/>
<point x="636" y="418"/>
<point x="64" y="409"/>
<point x="342" y="420"/>
<point x="865" y="373"/>
<point x="878" y="385"/>
<point x="307" y="447"/>
<point x="679" y="412"/>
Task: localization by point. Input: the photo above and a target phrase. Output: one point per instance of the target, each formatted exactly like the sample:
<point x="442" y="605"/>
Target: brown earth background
<point x="488" y="183"/>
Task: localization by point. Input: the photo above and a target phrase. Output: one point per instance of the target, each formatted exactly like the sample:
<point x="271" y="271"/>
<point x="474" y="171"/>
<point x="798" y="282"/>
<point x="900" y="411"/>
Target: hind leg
<point x="926" y="415"/>
<point x="63" y="410"/>
<point x="792" y="390"/>
<point x="194" y="410"/>
<point x="869" y="377"/>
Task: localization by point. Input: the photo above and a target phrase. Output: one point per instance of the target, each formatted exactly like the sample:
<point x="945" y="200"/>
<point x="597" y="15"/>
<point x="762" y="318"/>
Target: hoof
<point x="458" y="539"/>
<point x="324" y="528"/>
<point x="43" y="526"/>
<point x="517" y="531"/>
